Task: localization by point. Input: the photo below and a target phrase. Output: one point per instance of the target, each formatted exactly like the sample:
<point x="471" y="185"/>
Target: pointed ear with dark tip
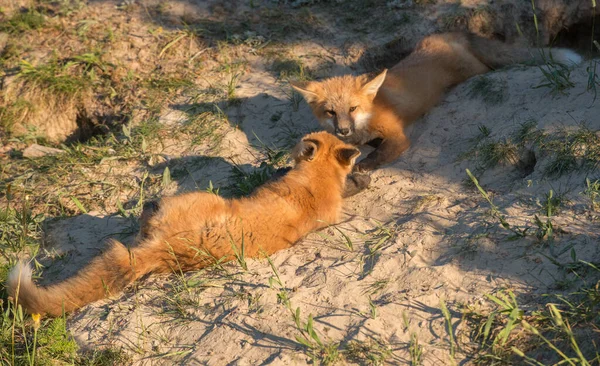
<point x="306" y="150"/>
<point x="372" y="87"/>
<point x="307" y="89"/>
<point x="347" y="155"/>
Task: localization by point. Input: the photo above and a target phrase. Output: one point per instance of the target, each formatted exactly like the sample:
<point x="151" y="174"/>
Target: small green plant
<point x="592" y="191"/>
<point x="232" y="85"/>
<point x="211" y="189"/>
<point x="450" y="330"/>
<point x="291" y="68"/>
<point x="557" y="76"/>
<point x="490" y="152"/>
<point x="245" y="183"/>
<point x="552" y="203"/>
<point x="34" y="341"/>
<point x="498" y="152"/>
<point x="517" y="232"/>
<point x="528" y="132"/>
<point x="239" y="253"/>
<point x="23" y="21"/>
<point x="58" y="78"/>
<point x="379" y="239"/>
<point x="20" y="229"/>
<point x="326" y="353"/>
<point x="572" y="150"/>
<point x="373" y="309"/>
<point x="371" y="352"/>
<point x="490" y="90"/>
<point x="375" y="287"/>
<point x="507" y="331"/>
<point x="345" y="240"/>
<point x="415" y="350"/>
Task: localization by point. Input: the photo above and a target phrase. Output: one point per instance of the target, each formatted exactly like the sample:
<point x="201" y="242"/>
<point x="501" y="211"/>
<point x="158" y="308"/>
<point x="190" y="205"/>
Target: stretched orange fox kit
<point x="193" y="230"/>
<point x="360" y="110"/>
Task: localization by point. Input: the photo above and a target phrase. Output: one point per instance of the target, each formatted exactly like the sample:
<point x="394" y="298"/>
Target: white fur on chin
<point x="361" y="120"/>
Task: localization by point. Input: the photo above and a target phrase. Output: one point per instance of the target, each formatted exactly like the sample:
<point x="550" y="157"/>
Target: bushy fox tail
<point x="495" y="54"/>
<point x="109" y="273"/>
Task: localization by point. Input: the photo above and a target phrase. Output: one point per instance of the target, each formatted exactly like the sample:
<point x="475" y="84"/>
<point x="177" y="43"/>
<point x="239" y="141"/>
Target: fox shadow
<point x="269" y="119"/>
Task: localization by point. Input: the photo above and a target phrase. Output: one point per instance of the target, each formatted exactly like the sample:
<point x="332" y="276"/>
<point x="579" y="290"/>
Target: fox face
<point x="342" y="105"/>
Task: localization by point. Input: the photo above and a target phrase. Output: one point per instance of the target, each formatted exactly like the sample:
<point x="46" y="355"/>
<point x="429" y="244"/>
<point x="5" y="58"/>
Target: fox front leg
<point x="149" y="209"/>
<point x="388" y="151"/>
<point x="355" y="183"/>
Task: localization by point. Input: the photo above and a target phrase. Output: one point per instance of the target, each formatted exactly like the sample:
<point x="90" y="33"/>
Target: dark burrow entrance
<point x="579" y="37"/>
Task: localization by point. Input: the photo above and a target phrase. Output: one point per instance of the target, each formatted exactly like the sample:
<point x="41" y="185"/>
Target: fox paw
<point x="361" y="168"/>
<point x="355" y="183"/>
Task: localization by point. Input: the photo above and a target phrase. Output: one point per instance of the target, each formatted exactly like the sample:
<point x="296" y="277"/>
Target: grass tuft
<point x="490" y="90"/>
<point x="23" y="21"/>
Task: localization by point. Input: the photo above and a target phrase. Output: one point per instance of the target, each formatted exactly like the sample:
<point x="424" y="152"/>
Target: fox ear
<point x="347" y="155"/>
<point x="307" y="89"/>
<point x="372" y="87"/>
<point x="306" y="150"/>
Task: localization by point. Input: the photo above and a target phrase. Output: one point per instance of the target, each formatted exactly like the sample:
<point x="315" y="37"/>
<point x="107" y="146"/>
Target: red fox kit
<point x="192" y="230"/>
<point x="359" y="110"/>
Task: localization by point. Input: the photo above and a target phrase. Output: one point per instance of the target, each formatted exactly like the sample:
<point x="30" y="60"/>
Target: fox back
<point x="194" y="230"/>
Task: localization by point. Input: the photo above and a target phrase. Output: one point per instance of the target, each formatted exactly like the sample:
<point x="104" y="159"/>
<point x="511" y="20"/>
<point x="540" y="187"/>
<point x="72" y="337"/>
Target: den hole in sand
<point x="527" y="162"/>
<point x="90" y="125"/>
<point x="578" y="36"/>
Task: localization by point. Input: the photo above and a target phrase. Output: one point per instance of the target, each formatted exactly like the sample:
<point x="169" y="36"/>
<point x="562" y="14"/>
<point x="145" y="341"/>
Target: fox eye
<point x="330" y="113"/>
<point x="352" y="109"/>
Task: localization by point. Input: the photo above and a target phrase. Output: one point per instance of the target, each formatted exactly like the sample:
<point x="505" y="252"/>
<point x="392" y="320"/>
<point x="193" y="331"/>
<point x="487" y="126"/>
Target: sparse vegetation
<point x="490" y="90"/>
<point x="370" y="352"/>
<point x="23" y="21"/>
<point x="565" y="150"/>
<point x="161" y="99"/>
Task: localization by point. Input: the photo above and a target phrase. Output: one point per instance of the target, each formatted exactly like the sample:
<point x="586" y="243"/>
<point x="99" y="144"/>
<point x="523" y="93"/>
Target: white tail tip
<point x="19" y="276"/>
<point x="566" y="56"/>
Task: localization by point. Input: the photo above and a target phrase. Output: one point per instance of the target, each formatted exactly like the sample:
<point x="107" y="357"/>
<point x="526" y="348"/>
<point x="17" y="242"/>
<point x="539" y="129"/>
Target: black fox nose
<point x="343" y="131"/>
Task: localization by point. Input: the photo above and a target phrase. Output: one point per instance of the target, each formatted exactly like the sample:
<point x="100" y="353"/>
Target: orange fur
<point x="193" y="230"/>
<point x="359" y="110"/>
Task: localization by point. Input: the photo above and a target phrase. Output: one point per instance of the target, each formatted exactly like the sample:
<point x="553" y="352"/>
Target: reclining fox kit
<point x="193" y="230"/>
<point x="360" y="110"/>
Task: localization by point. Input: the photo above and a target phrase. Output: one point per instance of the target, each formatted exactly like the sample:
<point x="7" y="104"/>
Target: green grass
<point x="592" y="191"/>
<point x="13" y="113"/>
<point x="571" y="150"/>
<point x="291" y="69"/>
<point x="566" y="150"/>
<point x="24" y="340"/>
<point x="494" y="153"/>
<point x="370" y="352"/>
<point x="490" y="90"/>
<point x="560" y="331"/>
<point x="53" y="78"/>
<point x="557" y="77"/>
<point x="137" y="159"/>
<point x="23" y="21"/>
<point x="245" y="182"/>
<point x="66" y="77"/>
<point x="325" y="353"/>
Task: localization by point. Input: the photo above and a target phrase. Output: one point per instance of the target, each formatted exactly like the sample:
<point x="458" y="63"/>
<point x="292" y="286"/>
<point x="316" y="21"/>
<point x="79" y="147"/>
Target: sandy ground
<point x="442" y="245"/>
<point x="437" y="240"/>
